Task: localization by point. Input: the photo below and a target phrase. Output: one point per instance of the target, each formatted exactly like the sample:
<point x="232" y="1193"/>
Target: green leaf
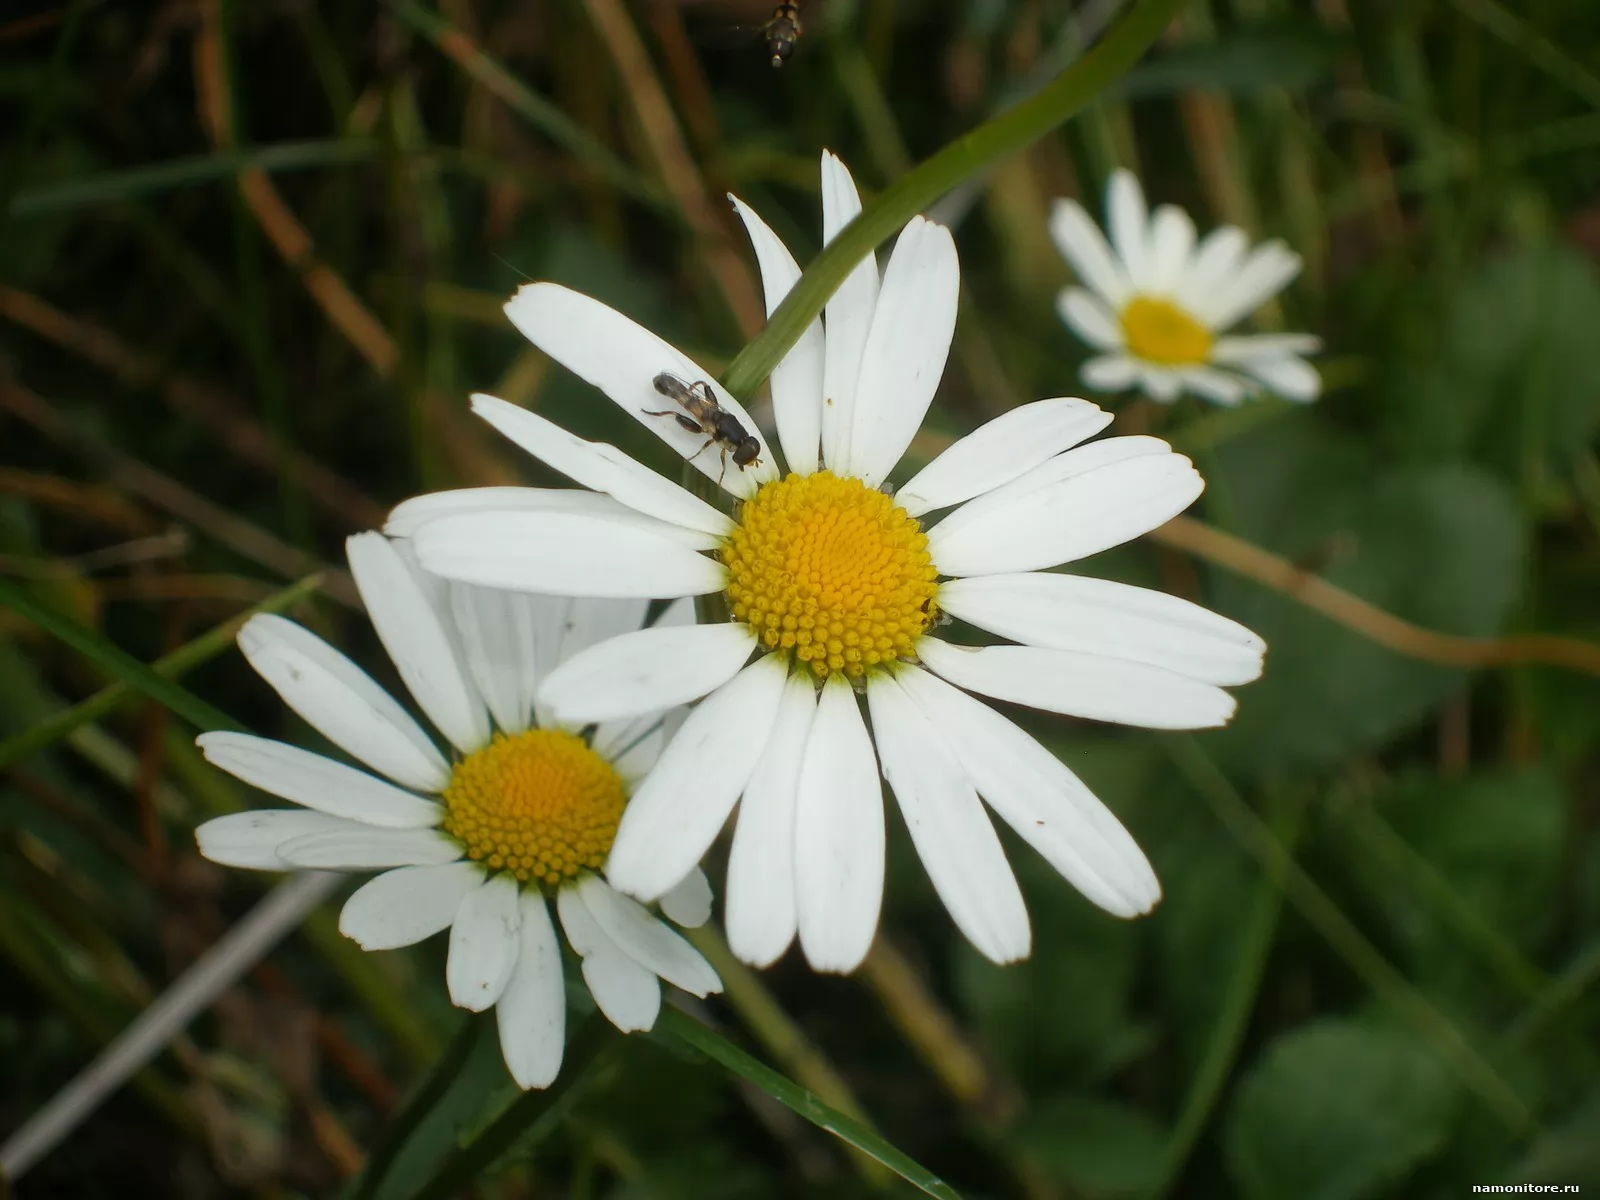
<point x="1515" y="378"/>
<point x="1440" y="546"/>
<point x="1096" y="1146"/>
<point x="1336" y="1110"/>
<point x="1498" y="839"/>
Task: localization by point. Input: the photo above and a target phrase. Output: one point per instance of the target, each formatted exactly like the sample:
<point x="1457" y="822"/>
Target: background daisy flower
<point x="1156" y="305"/>
<point x="836" y="588"/>
<point x="522" y="809"/>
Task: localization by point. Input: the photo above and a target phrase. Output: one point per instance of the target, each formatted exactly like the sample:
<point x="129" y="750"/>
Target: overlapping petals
<point x="1213" y="283"/>
<point x="1024" y="494"/>
<point x="471" y="658"/>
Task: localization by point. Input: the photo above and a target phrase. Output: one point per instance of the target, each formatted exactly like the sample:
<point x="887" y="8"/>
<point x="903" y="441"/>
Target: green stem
<point x="203" y="648"/>
<point x="686" y="1029"/>
<point x="405" y="1122"/>
<point x="1320" y="910"/>
<point x="116" y="661"/>
<point x="960" y="160"/>
<point x="532" y="1113"/>
<point x="1239" y="1002"/>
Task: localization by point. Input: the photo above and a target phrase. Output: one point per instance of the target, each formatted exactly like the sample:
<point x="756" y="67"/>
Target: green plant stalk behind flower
<point x="958" y="162"/>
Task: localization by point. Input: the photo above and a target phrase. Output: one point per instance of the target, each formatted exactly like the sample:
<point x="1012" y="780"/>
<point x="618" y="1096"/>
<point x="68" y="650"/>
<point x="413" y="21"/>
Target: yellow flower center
<point x="541" y="805"/>
<point x="1159" y="331"/>
<point x="833" y="570"/>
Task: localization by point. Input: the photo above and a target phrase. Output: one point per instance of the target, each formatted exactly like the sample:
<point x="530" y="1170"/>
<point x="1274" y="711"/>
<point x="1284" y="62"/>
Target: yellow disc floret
<point x="541" y="805"/>
<point x="833" y="570"/>
<point x="1159" y="331"/>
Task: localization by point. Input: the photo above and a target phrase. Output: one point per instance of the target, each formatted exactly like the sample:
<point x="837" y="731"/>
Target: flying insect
<point x="702" y="414"/>
<point x="783" y="30"/>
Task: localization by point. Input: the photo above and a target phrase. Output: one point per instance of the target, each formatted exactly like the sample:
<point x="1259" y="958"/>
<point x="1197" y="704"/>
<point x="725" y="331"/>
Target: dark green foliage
<point x="1411" y="1014"/>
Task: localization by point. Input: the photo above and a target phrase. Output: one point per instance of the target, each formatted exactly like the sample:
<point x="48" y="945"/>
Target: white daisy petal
<point x="1087" y="316"/>
<point x="1081" y="685"/>
<point x="688" y="903"/>
<point x="1240" y="349"/>
<point x="1171" y="240"/>
<point x="906" y="348"/>
<point x="1292" y="378"/>
<point x="838" y="835"/>
<point x="601" y="467"/>
<point x="622" y="359"/>
<point x="847" y="319"/>
<point x="582" y="933"/>
<point x="1264" y="274"/>
<point x="1217" y="386"/>
<point x="953" y="837"/>
<point x="1001" y="450"/>
<point x="628" y="994"/>
<point x="565" y="554"/>
<point x="1110" y="373"/>
<point x="797" y="380"/>
<point x="406" y="905"/>
<point x="595" y="621"/>
<point x="1161" y="384"/>
<point x="532" y="1012"/>
<point x="483" y="943"/>
<point x="1113" y="620"/>
<point x="317" y="782"/>
<point x="641" y="755"/>
<point x="1127" y="218"/>
<point x="645" y="939"/>
<point x="759" y="910"/>
<point x="341" y="701"/>
<point x="503" y="640"/>
<point x="1216" y="260"/>
<point x="413" y="633"/>
<point x="1066" y="520"/>
<point x="1083" y="246"/>
<point x="1071" y="463"/>
<point x="678" y="811"/>
<point x="646" y="670"/>
<point x="251" y="839"/>
<point x="1045" y="803"/>
<point x="410" y="515"/>
<point x="357" y="847"/>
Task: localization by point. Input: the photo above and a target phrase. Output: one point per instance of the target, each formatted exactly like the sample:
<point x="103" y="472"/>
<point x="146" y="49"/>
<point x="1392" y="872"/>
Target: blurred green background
<point x="251" y="263"/>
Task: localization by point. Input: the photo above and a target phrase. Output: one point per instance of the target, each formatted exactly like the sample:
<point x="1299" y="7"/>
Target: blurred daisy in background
<point x="1156" y="305"/>
<point x="523" y="809"/>
<point x="835" y="589"/>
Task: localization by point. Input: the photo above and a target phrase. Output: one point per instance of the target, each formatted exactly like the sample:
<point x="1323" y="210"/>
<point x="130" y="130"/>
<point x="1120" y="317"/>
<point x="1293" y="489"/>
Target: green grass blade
<point x="109" y="186"/>
<point x="542" y="114"/>
<point x="207" y="646"/>
<point x="527" y="1119"/>
<point x="116" y="661"/>
<point x="959" y="161"/>
<point x="713" y="1045"/>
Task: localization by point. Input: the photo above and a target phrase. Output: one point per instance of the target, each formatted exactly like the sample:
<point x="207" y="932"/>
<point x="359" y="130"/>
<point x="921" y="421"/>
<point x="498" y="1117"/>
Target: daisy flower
<point x="1156" y="305"/>
<point x="835" y="588"/>
<point x="476" y="840"/>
